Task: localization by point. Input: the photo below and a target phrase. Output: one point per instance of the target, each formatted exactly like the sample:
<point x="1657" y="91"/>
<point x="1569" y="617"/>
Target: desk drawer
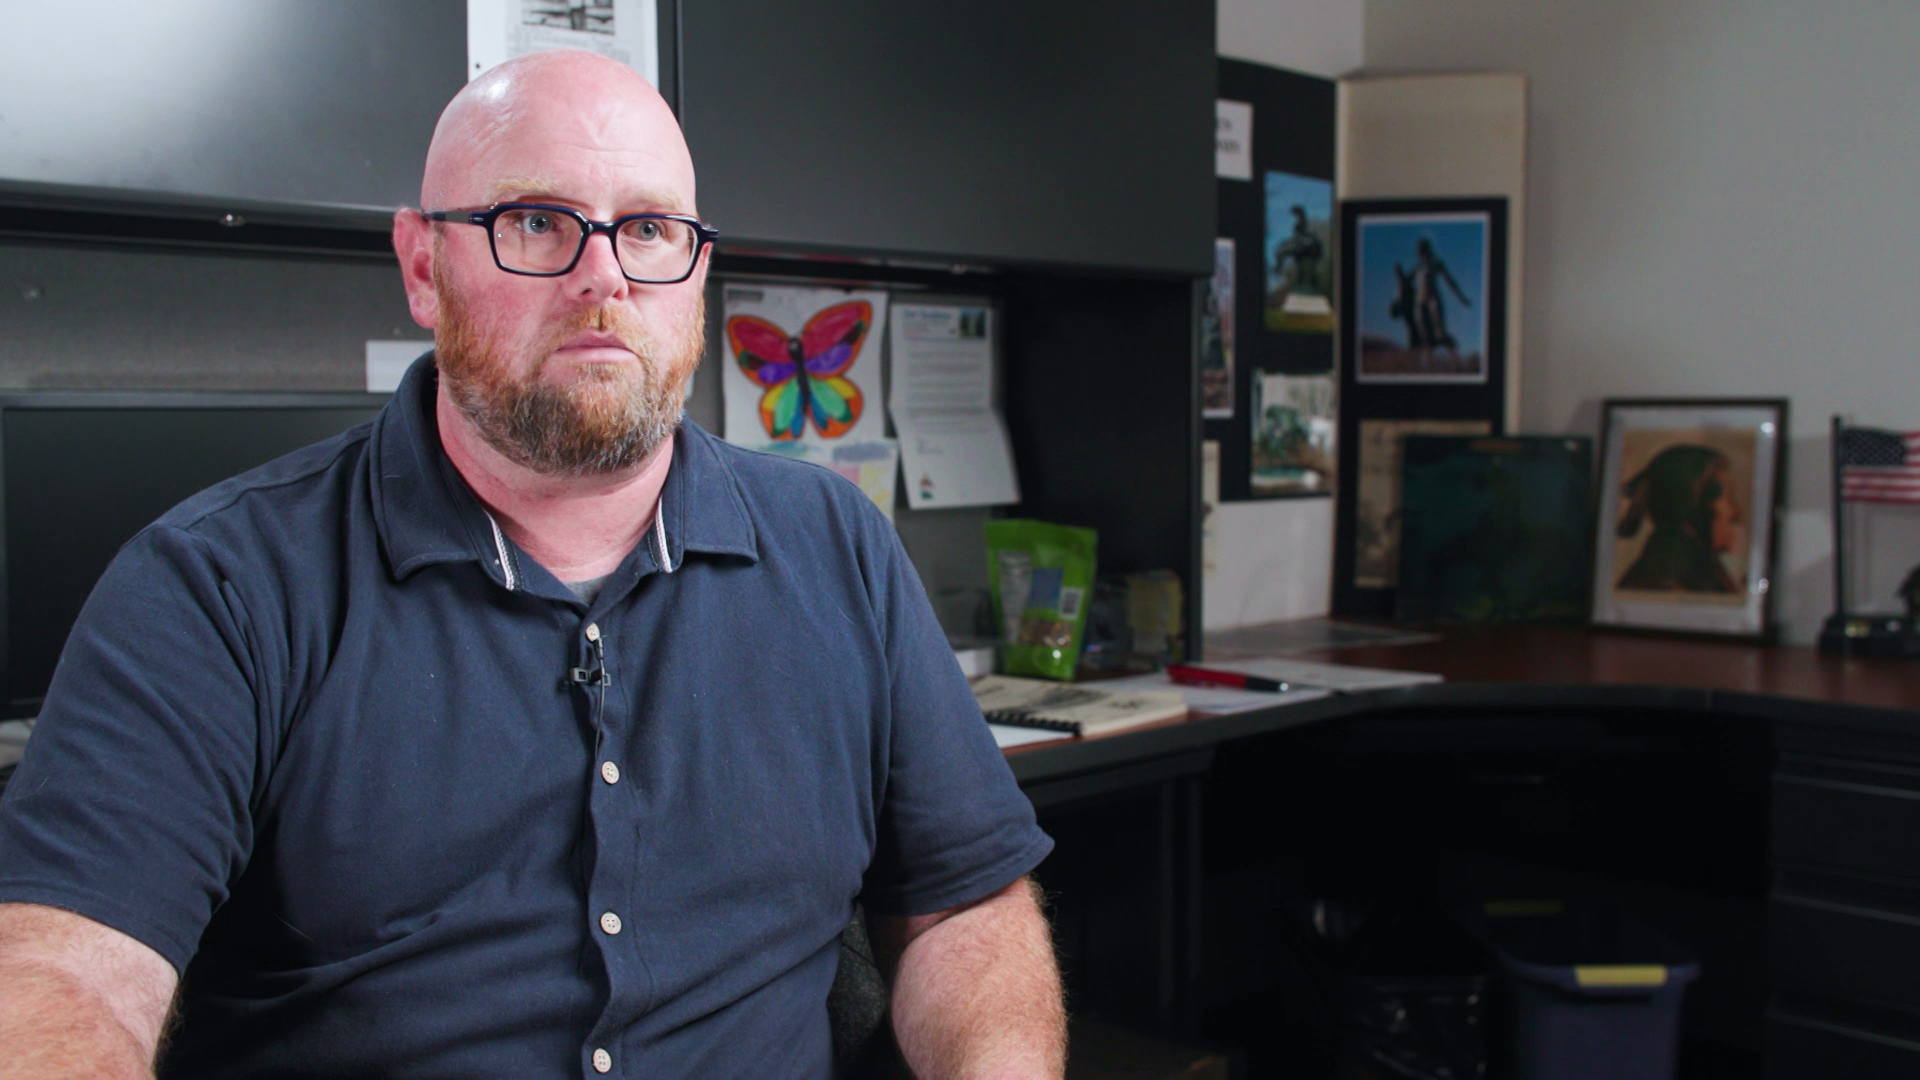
<point x="1843" y="816"/>
<point x="1833" y="947"/>
<point x="1801" y="1048"/>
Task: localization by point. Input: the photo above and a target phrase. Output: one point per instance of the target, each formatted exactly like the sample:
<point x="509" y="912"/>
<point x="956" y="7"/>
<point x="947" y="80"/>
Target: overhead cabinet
<point x="1072" y="132"/>
<point x="322" y="110"/>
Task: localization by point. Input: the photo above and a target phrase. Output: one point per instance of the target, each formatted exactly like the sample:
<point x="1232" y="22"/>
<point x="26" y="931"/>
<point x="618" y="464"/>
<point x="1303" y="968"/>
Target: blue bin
<point x="1594" y="993"/>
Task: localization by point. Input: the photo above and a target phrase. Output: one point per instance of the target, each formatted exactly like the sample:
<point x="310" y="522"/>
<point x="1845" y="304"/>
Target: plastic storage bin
<point x="1595" y="994"/>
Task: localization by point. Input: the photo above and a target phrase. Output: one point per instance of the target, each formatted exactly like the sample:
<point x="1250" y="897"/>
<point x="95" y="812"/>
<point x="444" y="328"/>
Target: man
<point x="1687" y="492"/>
<point x="527" y="731"/>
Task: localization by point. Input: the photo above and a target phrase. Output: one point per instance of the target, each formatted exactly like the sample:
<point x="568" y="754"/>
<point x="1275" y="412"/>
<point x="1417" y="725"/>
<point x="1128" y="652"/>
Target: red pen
<point x="1188" y="675"/>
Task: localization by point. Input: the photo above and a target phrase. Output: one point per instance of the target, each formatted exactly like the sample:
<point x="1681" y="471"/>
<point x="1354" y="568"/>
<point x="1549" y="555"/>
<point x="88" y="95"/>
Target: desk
<point x="1831" y="802"/>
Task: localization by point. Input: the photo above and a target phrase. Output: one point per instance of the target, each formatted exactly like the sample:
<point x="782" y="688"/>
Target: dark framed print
<point x="1689" y="502"/>
<point x="1423" y="347"/>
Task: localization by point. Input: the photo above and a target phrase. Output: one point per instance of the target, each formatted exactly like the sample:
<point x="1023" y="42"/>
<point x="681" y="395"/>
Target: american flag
<point x="1879" y="466"/>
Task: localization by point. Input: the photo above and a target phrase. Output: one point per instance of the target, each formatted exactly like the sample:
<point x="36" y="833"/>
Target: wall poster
<point x="1216" y="336"/>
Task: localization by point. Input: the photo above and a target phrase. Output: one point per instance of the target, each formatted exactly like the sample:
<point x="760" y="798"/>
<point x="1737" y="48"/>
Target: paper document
<point x="870" y="465"/>
<point x="1005" y="735"/>
<point x="387" y="361"/>
<point x="1342" y="678"/>
<point x="623" y="30"/>
<point x="1215" y="699"/>
<point x="953" y="442"/>
<point x="14" y="735"/>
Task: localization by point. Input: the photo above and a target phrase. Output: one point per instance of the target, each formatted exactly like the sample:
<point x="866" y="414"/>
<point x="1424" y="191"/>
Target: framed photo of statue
<point x="1689" y="501"/>
<point x="1423" y="288"/>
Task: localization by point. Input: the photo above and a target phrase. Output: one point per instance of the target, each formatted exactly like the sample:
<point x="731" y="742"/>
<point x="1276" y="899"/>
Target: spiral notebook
<point x="1074" y="708"/>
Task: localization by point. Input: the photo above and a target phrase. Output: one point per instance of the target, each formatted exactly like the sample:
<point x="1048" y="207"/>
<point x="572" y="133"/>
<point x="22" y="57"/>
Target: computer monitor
<point x="82" y="472"/>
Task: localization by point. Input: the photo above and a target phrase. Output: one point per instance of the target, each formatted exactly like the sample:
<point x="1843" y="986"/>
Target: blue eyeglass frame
<point x="485" y="218"/>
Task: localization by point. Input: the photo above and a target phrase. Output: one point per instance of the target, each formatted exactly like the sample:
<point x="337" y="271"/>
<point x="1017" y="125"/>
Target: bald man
<point x="529" y="730"/>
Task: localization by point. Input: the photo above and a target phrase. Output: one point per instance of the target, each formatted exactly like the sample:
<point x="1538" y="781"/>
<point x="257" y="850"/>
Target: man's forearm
<point x="978" y="994"/>
<point x="50" y="1026"/>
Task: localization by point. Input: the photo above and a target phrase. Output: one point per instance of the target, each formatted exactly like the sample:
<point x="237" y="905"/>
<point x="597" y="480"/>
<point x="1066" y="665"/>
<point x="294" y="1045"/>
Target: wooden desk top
<point x="1572" y="656"/>
<point x="1536" y="668"/>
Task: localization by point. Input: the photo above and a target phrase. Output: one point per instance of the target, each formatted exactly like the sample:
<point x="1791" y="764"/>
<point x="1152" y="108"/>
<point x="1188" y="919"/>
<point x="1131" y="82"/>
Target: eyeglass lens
<point x="545" y="242"/>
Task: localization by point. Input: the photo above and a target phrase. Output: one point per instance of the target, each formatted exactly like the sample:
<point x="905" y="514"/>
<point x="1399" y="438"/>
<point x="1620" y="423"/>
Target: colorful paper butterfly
<point x="802" y="374"/>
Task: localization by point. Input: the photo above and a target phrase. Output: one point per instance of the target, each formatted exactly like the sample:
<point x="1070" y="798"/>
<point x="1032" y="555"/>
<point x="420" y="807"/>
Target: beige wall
<point x="1723" y="198"/>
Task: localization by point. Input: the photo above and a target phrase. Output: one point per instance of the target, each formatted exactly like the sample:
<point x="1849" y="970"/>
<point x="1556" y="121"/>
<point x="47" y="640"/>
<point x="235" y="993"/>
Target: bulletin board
<point x="1269" y="394"/>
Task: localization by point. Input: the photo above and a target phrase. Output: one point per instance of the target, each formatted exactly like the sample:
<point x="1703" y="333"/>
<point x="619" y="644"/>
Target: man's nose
<point x="597" y="276"/>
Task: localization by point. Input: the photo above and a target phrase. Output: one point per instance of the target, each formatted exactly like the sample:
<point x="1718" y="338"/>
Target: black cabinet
<point x="1843" y="931"/>
<point x="315" y="112"/>
<point x="1072" y="132"/>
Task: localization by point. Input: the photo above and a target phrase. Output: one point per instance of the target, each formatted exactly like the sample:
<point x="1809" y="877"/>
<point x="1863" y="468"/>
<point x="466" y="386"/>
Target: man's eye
<point x="538" y="224"/>
<point x="646" y="230"/>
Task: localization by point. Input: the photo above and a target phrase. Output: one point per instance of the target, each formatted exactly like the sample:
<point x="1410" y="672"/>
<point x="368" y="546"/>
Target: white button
<point x="609" y="772"/>
<point x="602" y="1061"/>
<point x="593" y="631"/>
<point x="610" y="923"/>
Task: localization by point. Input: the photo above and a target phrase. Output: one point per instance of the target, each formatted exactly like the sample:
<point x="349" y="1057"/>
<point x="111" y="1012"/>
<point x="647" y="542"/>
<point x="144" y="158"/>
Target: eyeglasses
<point x="546" y="241"/>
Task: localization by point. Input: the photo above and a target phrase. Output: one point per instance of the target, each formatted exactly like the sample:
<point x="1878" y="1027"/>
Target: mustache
<point x="601" y="319"/>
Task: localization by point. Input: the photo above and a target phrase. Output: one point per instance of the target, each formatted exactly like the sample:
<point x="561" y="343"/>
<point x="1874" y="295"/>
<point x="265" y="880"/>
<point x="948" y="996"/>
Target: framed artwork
<point x="1295" y="428"/>
<point x="1299" y="253"/>
<point x="1376" y="534"/>
<point x="1495" y="530"/>
<point x="1689" y="500"/>
<point x="1422" y="298"/>
<point x="1423" y="293"/>
<point x="1216" y="335"/>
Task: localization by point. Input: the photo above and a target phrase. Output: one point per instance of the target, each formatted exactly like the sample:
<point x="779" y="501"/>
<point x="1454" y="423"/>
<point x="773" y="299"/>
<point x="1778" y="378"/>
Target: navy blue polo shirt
<point x="397" y="803"/>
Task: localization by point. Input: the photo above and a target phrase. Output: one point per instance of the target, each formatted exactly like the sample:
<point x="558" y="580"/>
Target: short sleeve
<point x="953" y="825"/>
<point x="132" y="806"/>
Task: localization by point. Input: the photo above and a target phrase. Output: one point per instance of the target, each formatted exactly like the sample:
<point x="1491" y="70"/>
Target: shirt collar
<point x="425" y="513"/>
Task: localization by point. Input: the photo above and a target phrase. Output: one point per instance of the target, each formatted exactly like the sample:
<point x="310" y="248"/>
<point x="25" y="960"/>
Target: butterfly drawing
<point x="802" y="374"/>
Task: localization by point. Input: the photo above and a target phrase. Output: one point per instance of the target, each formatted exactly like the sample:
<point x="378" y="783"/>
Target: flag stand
<point x="1862" y="634"/>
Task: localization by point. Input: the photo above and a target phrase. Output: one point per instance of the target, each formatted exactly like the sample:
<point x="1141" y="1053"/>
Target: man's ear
<point x="413" y="243"/>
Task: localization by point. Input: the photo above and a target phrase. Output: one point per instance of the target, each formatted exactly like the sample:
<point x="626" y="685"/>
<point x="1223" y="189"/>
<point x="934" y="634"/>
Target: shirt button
<point x="609" y="772"/>
<point x="602" y="1061"/>
<point x="610" y="923"/>
<point x="593" y="631"/>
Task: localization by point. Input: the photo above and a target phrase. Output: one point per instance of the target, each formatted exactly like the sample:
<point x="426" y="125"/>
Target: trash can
<point x="1594" y="994"/>
<point x="1412" y="1001"/>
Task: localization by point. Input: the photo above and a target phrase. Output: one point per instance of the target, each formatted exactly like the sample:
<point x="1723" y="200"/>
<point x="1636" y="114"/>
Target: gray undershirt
<point x="588" y="589"/>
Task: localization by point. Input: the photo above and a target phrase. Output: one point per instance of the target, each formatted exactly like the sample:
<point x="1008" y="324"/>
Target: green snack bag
<point x="1041" y="576"/>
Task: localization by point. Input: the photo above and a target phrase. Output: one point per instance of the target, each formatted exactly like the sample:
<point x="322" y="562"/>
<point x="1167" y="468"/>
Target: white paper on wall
<point x="953" y="443"/>
<point x="623" y="30"/>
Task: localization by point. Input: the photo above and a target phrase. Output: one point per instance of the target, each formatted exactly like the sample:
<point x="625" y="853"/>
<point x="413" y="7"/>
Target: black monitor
<point x="81" y="472"/>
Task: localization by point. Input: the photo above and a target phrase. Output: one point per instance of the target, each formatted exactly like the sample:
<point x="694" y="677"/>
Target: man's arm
<point x="976" y="988"/>
<point x="77" y="998"/>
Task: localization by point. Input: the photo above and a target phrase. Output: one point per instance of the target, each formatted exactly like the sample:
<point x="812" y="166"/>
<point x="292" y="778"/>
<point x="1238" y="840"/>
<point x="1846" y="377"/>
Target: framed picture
<point x="1424" y="291"/>
<point x="1495" y="530"/>
<point x="1376" y="533"/>
<point x="1295" y="427"/>
<point x="1216" y="335"/>
<point x="1299" y="253"/>
<point x="1689" y="501"/>
<point x="1422" y="298"/>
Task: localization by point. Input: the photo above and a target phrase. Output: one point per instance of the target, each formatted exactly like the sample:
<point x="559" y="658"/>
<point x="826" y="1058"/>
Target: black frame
<point x="22" y="401"/>
<point x="702" y="235"/>
<point x="1768" y="628"/>
<point x="1362" y="401"/>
